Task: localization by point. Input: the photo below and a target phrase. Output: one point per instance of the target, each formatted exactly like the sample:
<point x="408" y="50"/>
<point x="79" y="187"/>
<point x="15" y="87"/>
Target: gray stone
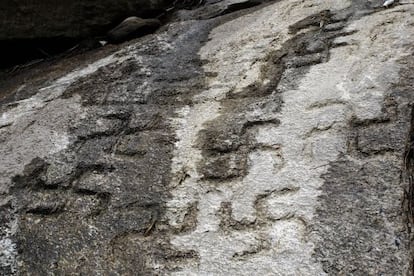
<point x="132" y="27"/>
<point x="256" y="142"/>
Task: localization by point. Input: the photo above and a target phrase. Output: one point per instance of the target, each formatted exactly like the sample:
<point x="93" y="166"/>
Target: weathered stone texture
<point x="274" y="140"/>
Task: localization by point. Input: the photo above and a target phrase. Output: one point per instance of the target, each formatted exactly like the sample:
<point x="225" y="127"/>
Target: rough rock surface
<point x="274" y="140"/>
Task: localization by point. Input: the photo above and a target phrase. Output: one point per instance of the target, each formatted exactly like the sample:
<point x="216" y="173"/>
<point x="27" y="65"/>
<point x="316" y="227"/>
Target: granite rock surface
<point x="271" y="139"/>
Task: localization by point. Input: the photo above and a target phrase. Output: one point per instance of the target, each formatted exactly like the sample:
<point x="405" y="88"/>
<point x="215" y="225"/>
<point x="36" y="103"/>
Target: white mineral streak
<point x="312" y="133"/>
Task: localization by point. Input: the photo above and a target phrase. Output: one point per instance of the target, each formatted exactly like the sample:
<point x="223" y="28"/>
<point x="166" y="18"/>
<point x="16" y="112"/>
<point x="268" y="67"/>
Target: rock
<point x="70" y="19"/>
<point x="252" y="143"/>
<point x="188" y="4"/>
<point x="30" y="31"/>
<point x="132" y="27"/>
<point x="388" y="3"/>
<point x="218" y="8"/>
